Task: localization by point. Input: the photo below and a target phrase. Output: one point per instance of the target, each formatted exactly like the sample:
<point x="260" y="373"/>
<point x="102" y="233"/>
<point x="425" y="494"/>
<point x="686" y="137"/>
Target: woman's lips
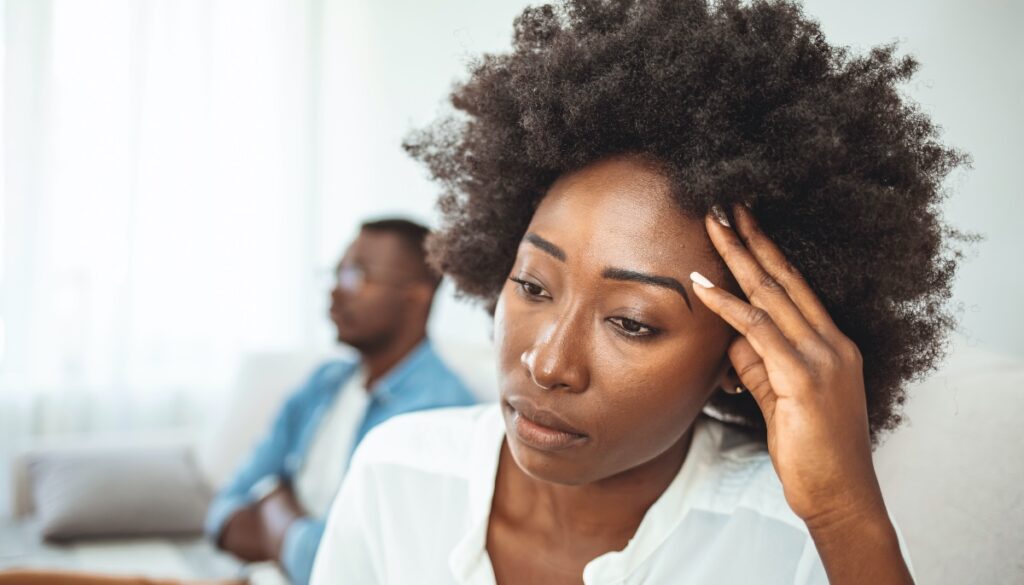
<point x="541" y="429"/>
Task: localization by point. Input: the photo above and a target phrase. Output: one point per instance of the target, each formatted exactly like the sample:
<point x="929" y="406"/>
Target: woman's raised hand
<point x="804" y="373"/>
<point x="807" y="377"/>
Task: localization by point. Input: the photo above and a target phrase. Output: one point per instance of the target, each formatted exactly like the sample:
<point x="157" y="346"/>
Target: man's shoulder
<point x="443" y="386"/>
<point x="441" y="440"/>
<point x="328" y="374"/>
<point x="319" y="387"/>
<point x="335" y="367"/>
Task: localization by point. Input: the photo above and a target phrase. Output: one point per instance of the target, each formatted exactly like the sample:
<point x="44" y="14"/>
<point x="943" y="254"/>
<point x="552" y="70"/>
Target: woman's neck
<point x="607" y="510"/>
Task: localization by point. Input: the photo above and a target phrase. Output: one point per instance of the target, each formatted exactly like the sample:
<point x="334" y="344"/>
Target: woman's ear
<point x="729" y="381"/>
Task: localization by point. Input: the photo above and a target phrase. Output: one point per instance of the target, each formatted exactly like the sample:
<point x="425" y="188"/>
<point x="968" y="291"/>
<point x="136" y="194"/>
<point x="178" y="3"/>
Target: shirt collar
<point x="389" y="385"/>
<point x="662" y="518"/>
<point x="468" y="560"/>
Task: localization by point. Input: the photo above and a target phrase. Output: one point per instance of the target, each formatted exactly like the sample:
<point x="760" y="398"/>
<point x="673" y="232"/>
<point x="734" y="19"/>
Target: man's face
<point x="373" y="300"/>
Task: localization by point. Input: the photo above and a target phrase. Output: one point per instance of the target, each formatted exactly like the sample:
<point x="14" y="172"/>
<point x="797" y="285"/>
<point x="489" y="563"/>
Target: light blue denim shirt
<point x="420" y="381"/>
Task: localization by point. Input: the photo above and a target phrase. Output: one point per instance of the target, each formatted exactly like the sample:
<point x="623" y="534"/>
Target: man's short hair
<point x="414" y="236"/>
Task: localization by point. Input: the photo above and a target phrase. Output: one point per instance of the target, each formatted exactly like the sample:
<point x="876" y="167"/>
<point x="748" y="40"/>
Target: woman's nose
<point x="557" y="358"/>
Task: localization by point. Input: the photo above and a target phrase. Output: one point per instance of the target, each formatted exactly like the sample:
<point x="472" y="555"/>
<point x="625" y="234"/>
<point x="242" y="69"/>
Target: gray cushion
<point x="117" y="492"/>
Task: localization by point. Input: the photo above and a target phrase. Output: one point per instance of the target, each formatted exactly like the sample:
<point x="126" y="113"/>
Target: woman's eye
<point x="529" y="288"/>
<point x="632" y="328"/>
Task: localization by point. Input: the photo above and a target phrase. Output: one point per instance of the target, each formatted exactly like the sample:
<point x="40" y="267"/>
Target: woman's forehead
<point x="620" y="211"/>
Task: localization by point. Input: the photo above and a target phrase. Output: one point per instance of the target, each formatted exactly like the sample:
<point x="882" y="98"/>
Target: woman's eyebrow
<point x="634" y="276"/>
<point x="545" y="245"/>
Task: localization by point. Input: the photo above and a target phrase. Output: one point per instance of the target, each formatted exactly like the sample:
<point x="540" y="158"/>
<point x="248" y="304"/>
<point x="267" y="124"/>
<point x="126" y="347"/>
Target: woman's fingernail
<point x="700" y="279"/>
<point x="719" y="215"/>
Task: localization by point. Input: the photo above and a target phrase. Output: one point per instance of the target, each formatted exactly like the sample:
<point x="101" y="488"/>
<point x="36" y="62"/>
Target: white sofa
<point x="952" y="475"/>
<point x="261" y="384"/>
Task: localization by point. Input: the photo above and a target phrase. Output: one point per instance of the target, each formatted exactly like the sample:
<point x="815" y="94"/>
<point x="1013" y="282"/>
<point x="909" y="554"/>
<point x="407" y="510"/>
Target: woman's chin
<point x="549" y="467"/>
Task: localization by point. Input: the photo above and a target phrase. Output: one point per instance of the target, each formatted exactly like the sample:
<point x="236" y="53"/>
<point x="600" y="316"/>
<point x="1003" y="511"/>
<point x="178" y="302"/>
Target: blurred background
<point x="179" y="175"/>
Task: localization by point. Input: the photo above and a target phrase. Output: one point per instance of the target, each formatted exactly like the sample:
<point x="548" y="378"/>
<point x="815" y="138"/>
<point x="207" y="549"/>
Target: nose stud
<point x="541" y="386"/>
<point x="525" y="360"/>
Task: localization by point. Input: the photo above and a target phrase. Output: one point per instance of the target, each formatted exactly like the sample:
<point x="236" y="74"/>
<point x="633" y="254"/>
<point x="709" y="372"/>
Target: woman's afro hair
<point x="736" y="102"/>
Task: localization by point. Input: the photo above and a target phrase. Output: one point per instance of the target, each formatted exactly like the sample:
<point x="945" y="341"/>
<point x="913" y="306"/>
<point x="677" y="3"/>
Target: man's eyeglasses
<point x="351" y="278"/>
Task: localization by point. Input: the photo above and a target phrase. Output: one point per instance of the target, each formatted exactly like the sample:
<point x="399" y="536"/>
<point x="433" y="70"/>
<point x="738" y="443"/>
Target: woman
<point x="675" y="210"/>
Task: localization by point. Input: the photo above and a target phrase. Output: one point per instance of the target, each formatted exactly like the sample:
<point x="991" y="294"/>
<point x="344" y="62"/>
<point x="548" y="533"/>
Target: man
<point x="275" y="507"/>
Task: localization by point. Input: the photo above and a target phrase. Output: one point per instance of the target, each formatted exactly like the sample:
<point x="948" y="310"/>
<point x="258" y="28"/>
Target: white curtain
<point x="159" y="205"/>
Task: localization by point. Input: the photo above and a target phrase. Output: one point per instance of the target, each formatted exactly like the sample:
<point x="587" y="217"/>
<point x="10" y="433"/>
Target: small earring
<point x="739" y="389"/>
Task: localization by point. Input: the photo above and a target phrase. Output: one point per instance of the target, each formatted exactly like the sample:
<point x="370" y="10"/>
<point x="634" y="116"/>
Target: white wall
<point x="389" y="65"/>
<point x="388" y="68"/>
<point x="971" y="82"/>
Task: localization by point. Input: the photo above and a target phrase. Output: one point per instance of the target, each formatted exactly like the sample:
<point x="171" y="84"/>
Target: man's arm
<point x="265" y="464"/>
<point x="276" y="513"/>
<point x="243" y="535"/>
<point x="290" y="536"/>
<point x="275" y="528"/>
<point x="257" y="532"/>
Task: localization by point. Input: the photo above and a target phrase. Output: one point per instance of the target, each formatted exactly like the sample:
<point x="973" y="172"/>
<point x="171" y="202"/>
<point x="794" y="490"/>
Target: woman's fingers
<point x="774" y="262"/>
<point x="760" y="286"/>
<point x="751" y="322"/>
<point x="753" y="374"/>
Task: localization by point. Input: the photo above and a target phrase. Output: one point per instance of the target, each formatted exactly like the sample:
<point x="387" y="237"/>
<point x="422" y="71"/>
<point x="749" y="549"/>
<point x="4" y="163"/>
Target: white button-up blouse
<point x="415" y="506"/>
